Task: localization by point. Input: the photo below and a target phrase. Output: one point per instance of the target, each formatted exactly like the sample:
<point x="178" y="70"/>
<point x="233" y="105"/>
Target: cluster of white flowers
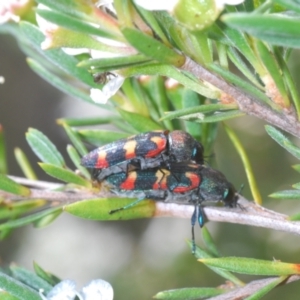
<point x="66" y="290"/>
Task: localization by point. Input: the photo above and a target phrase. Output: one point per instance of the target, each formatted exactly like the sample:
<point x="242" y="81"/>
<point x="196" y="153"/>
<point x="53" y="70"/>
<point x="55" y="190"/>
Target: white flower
<point x="12" y="9"/>
<point x="66" y="290"/>
<point x="97" y="289"/>
<point x="109" y="89"/>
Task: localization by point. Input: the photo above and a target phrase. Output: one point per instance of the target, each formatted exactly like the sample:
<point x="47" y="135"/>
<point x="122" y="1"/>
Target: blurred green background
<point x="141" y="257"/>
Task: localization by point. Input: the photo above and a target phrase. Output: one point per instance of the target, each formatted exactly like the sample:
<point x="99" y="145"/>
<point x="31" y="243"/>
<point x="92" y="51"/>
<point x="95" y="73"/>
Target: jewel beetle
<point x="186" y="184"/>
<point x="146" y="150"/>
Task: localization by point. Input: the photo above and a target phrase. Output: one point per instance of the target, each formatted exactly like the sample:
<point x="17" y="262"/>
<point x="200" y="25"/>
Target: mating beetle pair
<point x="185" y="184"/>
<point x="160" y="165"/>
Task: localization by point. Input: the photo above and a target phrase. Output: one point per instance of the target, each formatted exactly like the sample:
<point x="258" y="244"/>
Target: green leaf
<point x="46" y="220"/>
<point x="209" y="242"/>
<point x="5" y="296"/>
<point x="151" y="47"/>
<point x="24" y="164"/>
<point x="158" y="91"/>
<point x="44" y="149"/>
<point x="283" y="141"/>
<point x="3" y="164"/>
<point x="252" y="266"/>
<point x="28" y="219"/>
<point x="101" y="137"/>
<point x="172" y="72"/>
<point x="57" y="57"/>
<point x="64" y="175"/>
<point x="275" y="29"/>
<point x="16" y="208"/>
<point x="138" y="122"/>
<point x="17" y="289"/>
<point x="238" y="40"/>
<point x="48" y="277"/>
<point x="287" y="194"/>
<point x="189" y="293"/>
<point x="87" y="121"/>
<point x="274" y="71"/>
<point x="266" y="289"/>
<point x="290" y="83"/>
<point x="30" y="279"/>
<point x="149" y="18"/>
<point x="239" y="62"/>
<point x="134" y="91"/>
<point x="73" y="136"/>
<point x="217" y="117"/>
<point x="72" y="23"/>
<point x="200" y="253"/>
<point x="76" y="161"/>
<point x="246" y="163"/>
<point x="8" y="185"/>
<point x="61" y="84"/>
<point x="198" y="109"/>
<point x="190" y="99"/>
<point x="244" y="85"/>
<point x="114" y="63"/>
<point x="291" y="4"/>
<point x="98" y="209"/>
<point x="72" y="8"/>
<point x="124" y="10"/>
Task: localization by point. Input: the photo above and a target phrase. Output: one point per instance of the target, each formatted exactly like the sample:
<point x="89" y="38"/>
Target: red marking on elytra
<point x="161" y="144"/>
<point x="129" y="183"/>
<point x="101" y="160"/>
<point x="195" y="182"/>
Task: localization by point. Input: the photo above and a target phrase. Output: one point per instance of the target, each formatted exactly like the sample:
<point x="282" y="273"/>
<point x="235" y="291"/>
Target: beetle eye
<point x="226" y="192"/>
<point x="194" y="152"/>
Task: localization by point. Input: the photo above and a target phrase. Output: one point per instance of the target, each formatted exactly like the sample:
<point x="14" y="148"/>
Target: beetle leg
<point x="127" y="206"/>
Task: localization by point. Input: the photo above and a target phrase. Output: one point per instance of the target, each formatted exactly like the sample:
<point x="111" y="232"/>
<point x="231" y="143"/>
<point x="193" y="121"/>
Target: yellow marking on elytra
<point x="129" y="147"/>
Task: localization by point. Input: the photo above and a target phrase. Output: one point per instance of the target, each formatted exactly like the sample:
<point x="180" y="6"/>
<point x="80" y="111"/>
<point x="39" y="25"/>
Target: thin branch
<point x="250" y="288"/>
<point x="287" y="120"/>
<point x="248" y="213"/>
<point x="39" y="184"/>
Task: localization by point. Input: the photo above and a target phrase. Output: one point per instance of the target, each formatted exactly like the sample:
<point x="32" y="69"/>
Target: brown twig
<point x="251" y="287"/>
<point x="287" y="120"/>
<point x="247" y="214"/>
<point x="250" y="214"/>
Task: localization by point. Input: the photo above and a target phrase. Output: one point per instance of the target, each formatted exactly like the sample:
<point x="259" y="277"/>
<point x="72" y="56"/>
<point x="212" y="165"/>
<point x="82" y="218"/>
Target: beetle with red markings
<point x="146" y="150"/>
<point x="186" y="184"/>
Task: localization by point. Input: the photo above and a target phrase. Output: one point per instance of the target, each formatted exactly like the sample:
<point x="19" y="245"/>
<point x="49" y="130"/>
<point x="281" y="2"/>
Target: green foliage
<point x="44" y="149"/>
<point x="10" y="186"/>
<point x="224" y="68"/>
<point x="19" y="283"/>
